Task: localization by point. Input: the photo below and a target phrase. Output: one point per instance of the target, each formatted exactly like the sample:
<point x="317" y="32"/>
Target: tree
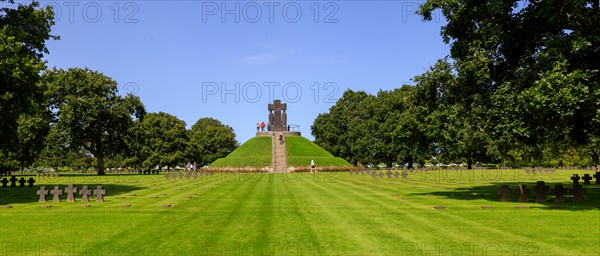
<point x="211" y="140"/>
<point x="529" y="67"/>
<point x="161" y="139"/>
<point x="24" y="31"/>
<point x="91" y="113"/>
<point x="344" y="131"/>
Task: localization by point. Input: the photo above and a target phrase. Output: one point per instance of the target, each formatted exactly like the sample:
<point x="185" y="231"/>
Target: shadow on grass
<point x="18" y="195"/>
<point x="489" y="192"/>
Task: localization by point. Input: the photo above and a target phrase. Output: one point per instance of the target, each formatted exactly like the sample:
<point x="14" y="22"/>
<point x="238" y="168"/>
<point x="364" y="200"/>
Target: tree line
<point x="76" y="117"/>
<point x="521" y="86"/>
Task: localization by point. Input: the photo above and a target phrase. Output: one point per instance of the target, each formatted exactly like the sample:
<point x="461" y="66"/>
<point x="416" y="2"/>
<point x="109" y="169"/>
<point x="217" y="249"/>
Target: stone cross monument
<point x="278" y="119"/>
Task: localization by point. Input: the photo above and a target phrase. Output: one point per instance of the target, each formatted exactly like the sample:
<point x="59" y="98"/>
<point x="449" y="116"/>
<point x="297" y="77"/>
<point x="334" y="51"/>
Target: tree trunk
<point x="101" y="165"/>
<point x="595" y="158"/>
<point x="470" y="163"/>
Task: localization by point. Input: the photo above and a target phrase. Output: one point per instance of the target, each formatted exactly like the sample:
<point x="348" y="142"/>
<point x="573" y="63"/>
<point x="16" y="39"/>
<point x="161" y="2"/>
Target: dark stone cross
<point x="4" y="182"/>
<point x="13" y="181"/>
<point x="56" y="192"/>
<point x="22" y="182"/>
<point x="575" y="178"/>
<point x="559" y="193"/>
<point x="85" y="194"/>
<point x="42" y="193"/>
<point x="99" y="192"/>
<point x="389" y="174"/>
<point x="404" y="175"/>
<point x="586" y="179"/>
<point x="30" y="181"/>
<point x="278" y="119"/>
<point x="381" y="175"/>
<point x="578" y="193"/>
<point x="70" y="190"/>
<point x="523" y="193"/>
<point x="540" y="192"/>
<point x="396" y="174"/>
<point x="504" y="193"/>
<point x="597" y="176"/>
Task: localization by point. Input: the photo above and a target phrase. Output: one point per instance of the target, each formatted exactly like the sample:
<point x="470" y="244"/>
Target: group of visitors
<point x="261" y="127"/>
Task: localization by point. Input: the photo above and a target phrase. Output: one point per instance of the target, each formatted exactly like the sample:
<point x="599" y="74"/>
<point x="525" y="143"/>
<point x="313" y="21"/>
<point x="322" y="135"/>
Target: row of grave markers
<point x="71" y="190"/>
<point x="13" y="182"/>
<point x="540" y="190"/>
<point x="586" y="178"/>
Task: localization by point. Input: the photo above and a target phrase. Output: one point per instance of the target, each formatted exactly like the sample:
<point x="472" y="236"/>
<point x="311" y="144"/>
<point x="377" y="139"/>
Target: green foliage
<point x="161" y="139"/>
<point x="92" y="115"/>
<point x="211" y="140"/>
<point x="24" y="31"/>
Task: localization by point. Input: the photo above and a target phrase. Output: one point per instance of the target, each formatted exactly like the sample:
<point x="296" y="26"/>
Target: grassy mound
<point x="256" y="152"/>
<point x="300" y="151"/>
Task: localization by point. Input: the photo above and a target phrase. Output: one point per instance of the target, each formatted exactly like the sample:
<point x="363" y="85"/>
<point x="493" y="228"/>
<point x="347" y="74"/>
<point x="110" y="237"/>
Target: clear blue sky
<point x="173" y="53"/>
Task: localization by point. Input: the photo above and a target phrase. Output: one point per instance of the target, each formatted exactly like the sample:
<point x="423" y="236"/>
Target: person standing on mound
<point x="257" y="127"/>
<point x="312" y="165"/>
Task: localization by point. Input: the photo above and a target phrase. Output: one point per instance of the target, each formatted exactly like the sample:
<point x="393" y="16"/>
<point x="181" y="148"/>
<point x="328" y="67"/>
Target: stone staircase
<point x="279" y="159"/>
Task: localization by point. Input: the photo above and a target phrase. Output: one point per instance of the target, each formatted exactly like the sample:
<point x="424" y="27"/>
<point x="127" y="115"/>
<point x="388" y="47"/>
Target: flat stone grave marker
<point x="597" y="176"/>
<point x="85" y="194"/>
<point x="540" y="192"/>
<point x="586" y="179"/>
<point x="523" y="193"/>
<point x="166" y="205"/>
<point x="521" y="207"/>
<point x="504" y="193"/>
<point x="13" y="181"/>
<point x="56" y="192"/>
<point x="42" y="193"/>
<point x="86" y="206"/>
<point x="133" y="195"/>
<point x="30" y="181"/>
<point x="575" y="178"/>
<point x="7" y="206"/>
<point x="22" y="182"/>
<point x="486" y="207"/>
<point x="70" y="190"/>
<point x="126" y="205"/>
<point x="153" y="197"/>
<point x="559" y="193"/>
<point x="187" y="197"/>
<point x="578" y="193"/>
<point x="100" y="193"/>
<point x="439" y="207"/>
<point x="46" y="206"/>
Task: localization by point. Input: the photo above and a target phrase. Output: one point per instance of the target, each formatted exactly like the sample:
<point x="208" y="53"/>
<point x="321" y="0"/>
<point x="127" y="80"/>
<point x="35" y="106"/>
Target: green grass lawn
<point x="300" y="151"/>
<point x="256" y="152"/>
<point x="306" y="214"/>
